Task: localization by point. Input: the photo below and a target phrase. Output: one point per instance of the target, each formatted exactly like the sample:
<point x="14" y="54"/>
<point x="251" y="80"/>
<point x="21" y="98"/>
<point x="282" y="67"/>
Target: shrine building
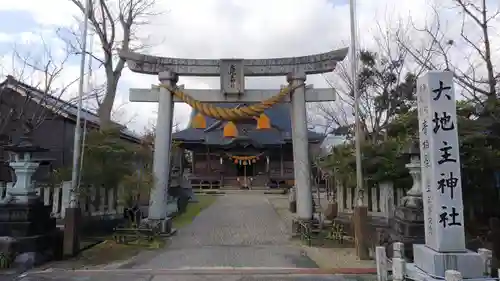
<point x="252" y="153"/>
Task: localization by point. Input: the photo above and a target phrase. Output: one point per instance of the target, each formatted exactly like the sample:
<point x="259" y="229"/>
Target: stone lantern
<point x="413" y="197"/>
<point x="24" y="218"/>
<point x="407" y="225"/>
<point x="24" y="166"/>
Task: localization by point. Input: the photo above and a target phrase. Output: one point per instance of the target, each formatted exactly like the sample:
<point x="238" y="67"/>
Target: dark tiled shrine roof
<point x="280" y="133"/>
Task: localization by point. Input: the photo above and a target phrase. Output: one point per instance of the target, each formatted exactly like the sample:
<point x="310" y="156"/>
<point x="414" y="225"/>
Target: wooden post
<point x="71" y="242"/>
<point x="209" y="165"/>
<point x="360" y="220"/>
<point x="281" y="162"/>
<point x="245" y="176"/>
<point x="193" y="162"/>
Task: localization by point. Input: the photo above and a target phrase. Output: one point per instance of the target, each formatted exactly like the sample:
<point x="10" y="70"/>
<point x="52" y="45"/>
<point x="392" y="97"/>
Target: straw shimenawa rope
<point x="231" y="114"/>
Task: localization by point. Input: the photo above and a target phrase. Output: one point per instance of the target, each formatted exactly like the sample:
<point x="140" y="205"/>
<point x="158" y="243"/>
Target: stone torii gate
<point x="232" y="73"/>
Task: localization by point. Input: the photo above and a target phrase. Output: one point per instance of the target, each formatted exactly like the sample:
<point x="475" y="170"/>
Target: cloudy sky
<point x="209" y="29"/>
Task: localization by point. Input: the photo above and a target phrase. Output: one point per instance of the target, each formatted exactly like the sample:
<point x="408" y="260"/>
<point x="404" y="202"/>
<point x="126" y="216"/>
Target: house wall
<point x="55" y="133"/>
<point x="52" y="133"/>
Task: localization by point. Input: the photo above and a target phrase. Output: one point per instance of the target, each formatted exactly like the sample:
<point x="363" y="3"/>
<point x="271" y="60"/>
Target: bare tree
<point x="39" y="77"/>
<point x="385" y="88"/>
<point x="468" y="53"/>
<point x="115" y="23"/>
<point x="315" y="121"/>
<point x="150" y="132"/>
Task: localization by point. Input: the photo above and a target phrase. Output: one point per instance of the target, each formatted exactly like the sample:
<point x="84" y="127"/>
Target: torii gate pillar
<point x="162" y="148"/>
<point x="301" y="163"/>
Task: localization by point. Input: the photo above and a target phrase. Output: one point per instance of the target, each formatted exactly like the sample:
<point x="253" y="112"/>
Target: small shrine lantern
<point x="24" y="167"/>
<point x="413" y="153"/>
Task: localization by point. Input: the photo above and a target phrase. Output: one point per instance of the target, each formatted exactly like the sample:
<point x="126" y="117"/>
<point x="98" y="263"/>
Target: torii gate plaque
<point x="232" y="73"/>
<point x="232" y="77"/>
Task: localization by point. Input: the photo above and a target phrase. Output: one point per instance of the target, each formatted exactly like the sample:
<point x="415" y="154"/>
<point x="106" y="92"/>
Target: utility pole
<point x="360" y="216"/>
<point x="354" y="77"/>
<point x="72" y="216"/>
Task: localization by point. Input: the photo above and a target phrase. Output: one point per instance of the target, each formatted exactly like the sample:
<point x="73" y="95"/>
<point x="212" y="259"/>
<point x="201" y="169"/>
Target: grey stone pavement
<point x="237" y="231"/>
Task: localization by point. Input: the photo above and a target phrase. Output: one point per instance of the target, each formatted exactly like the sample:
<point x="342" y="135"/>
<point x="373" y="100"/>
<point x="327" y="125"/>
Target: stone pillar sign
<point x="444" y="247"/>
<point x="444" y="227"/>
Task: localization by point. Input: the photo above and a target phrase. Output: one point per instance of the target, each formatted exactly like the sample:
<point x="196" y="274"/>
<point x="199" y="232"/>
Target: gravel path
<point x="238" y="230"/>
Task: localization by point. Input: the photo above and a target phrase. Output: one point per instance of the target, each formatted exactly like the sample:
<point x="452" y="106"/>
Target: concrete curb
<point x="141" y="257"/>
<point x="235" y="271"/>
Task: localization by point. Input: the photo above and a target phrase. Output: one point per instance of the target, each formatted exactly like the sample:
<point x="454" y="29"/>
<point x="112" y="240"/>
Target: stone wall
<point x="381" y="200"/>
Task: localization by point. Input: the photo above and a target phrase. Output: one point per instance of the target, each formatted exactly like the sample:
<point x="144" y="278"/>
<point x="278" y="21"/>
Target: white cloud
<point x="259" y="29"/>
<point x="6" y="37"/>
<point x="49" y="12"/>
<point x="38" y="58"/>
<point x="245" y="29"/>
